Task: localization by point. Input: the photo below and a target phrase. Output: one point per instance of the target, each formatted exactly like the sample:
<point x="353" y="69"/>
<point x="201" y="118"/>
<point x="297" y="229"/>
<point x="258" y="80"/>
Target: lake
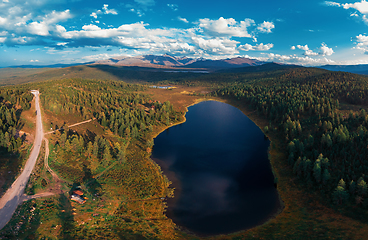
<point x="218" y="163"/>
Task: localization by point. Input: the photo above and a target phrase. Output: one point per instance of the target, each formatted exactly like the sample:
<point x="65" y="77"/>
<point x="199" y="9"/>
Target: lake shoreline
<point x="249" y="115"/>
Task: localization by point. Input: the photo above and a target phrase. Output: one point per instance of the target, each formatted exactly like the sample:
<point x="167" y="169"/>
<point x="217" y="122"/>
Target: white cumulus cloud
<point x="208" y="38"/>
<point x="226" y="27"/>
<point x="94" y="14"/>
<point x="294" y="59"/>
<point x="109" y="11"/>
<point x="215" y="46"/>
<point x="258" y="47"/>
<point x="361" y="7"/>
<point x="104" y="10"/>
<point x="362" y="43"/>
<point x="305" y="48"/>
<point x="326" y="51"/>
<point x="310" y="53"/>
<point x="36" y="28"/>
<point x="2" y="20"/>
<point x="266" y="27"/>
<point x="43" y="27"/>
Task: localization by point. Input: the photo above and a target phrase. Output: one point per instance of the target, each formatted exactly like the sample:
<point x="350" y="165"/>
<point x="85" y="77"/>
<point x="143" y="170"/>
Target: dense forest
<point x="327" y="146"/>
<point x="12" y="103"/>
<point x="111" y="163"/>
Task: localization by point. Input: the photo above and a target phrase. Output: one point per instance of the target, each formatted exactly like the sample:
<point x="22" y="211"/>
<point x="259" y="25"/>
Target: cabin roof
<point x="78" y="192"/>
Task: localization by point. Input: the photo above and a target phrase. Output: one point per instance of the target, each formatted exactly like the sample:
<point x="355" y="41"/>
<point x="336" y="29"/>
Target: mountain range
<point x="168" y="61"/>
<point x="359" y="69"/>
<point x="172" y="63"/>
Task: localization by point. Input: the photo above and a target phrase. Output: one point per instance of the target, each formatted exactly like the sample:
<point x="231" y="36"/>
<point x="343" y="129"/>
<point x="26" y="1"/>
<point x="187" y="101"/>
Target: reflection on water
<point x="219" y="157"/>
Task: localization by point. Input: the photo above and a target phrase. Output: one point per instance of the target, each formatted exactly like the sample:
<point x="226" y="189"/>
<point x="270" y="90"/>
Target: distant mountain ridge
<point x="272" y="66"/>
<point x="225" y="63"/>
<point x="168" y="61"/>
<point x="58" y="65"/>
<point x="147" y="61"/>
<point x="173" y="63"/>
<point x="359" y="69"/>
<point x="165" y="61"/>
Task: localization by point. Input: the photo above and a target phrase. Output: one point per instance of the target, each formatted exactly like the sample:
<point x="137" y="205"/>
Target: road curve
<point x="13" y="196"/>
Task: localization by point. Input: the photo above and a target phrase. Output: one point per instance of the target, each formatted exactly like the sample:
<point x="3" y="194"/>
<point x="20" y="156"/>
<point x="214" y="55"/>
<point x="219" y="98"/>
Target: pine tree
<point x="95" y="149"/>
<point x="121" y="155"/>
<point x="75" y="144"/>
<point x="63" y="138"/>
<point x="342" y="183"/>
<point x="340" y="195"/>
<point x="116" y="148"/>
<point x="89" y="150"/>
<point x="81" y="144"/>
<point x="317" y="171"/>
<point x="106" y="157"/>
<point x="68" y="147"/>
<point x="362" y="187"/>
<point x="134" y="132"/>
<point x="291" y="147"/>
<point x="307" y="168"/>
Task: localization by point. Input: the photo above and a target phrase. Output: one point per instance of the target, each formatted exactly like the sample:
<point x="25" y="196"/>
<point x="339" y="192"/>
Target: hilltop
<point x="165" y="61"/>
<point x="147" y="68"/>
<point x="359" y="69"/>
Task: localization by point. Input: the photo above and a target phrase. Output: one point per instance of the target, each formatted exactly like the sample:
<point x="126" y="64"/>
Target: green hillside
<point x="11" y="76"/>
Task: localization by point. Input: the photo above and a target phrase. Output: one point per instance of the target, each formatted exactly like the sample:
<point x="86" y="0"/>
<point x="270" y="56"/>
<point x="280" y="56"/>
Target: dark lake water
<point x="218" y="163"/>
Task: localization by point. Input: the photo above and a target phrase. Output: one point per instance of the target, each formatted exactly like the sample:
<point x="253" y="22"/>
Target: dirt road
<point x="13" y="196"/>
<point x="73" y="125"/>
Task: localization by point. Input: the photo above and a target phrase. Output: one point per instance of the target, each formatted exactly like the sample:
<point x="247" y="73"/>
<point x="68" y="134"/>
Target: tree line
<point x="12" y="103"/>
<point x="327" y="148"/>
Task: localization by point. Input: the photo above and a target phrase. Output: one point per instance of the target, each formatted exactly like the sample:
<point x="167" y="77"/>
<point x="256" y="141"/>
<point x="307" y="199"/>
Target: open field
<point x="12" y="76"/>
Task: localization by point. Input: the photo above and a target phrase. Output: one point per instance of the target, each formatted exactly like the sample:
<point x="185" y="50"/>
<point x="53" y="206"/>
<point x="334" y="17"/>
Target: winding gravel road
<point x="12" y="197"/>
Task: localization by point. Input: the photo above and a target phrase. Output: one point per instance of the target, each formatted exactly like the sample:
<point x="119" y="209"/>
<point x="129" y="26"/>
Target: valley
<point x="316" y="121"/>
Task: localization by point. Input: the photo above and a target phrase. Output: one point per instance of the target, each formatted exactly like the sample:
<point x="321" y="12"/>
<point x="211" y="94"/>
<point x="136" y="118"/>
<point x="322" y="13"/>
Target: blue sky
<point x="308" y="33"/>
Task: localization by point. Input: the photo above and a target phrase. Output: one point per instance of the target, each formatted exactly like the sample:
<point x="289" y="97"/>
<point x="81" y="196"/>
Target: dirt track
<point x="14" y="195"/>
<point x="76" y="124"/>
